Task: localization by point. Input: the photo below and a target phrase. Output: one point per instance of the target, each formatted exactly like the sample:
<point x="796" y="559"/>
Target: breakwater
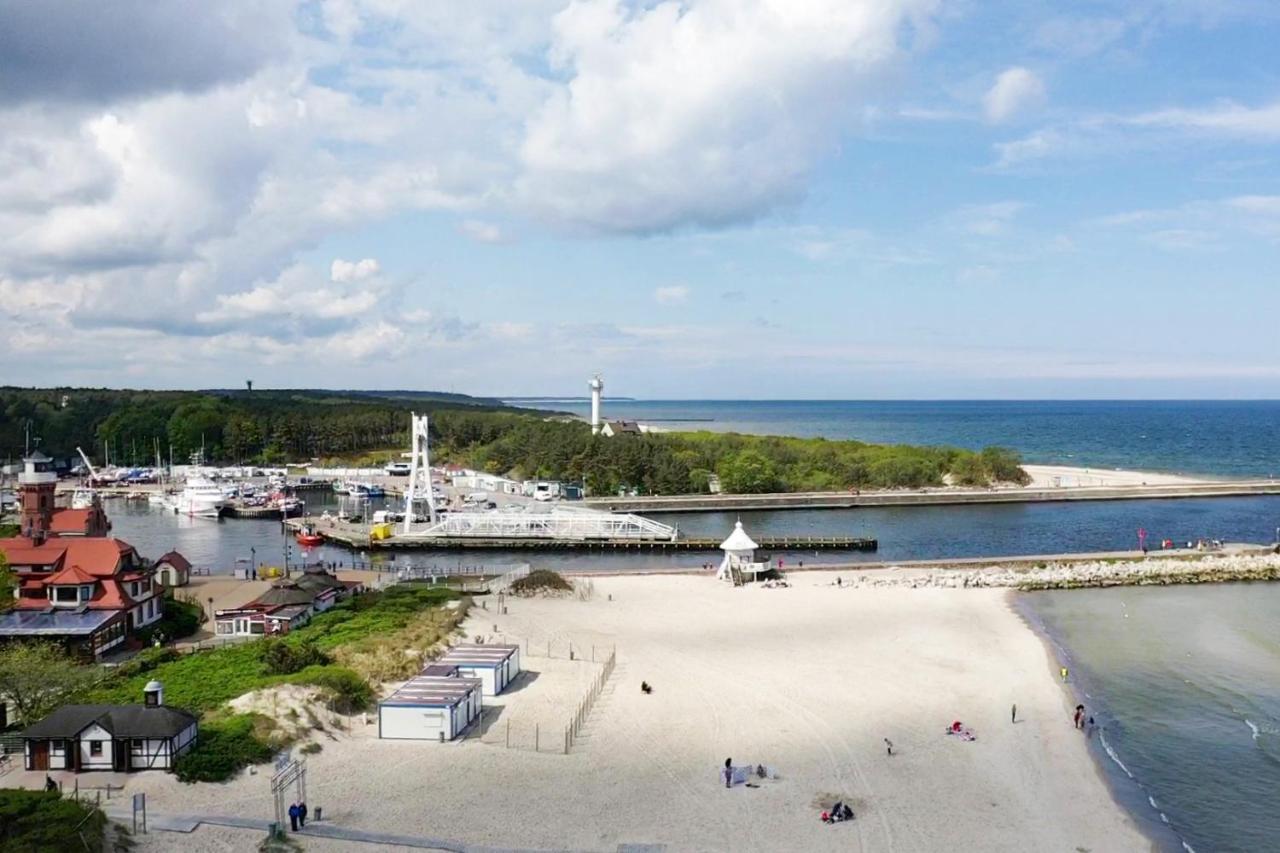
<point x="929" y="497"/>
<point x="1253" y="565"/>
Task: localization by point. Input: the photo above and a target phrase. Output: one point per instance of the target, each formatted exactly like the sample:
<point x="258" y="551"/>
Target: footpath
<point x="189" y="823"/>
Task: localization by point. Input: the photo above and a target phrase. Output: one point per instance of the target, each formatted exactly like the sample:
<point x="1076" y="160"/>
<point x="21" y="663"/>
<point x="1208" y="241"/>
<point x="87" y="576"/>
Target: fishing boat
<point x="366" y="490"/>
<point x="308" y="537"/>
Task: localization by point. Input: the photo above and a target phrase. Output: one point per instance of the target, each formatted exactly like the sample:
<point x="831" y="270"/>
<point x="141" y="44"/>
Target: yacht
<point x="83" y="498"/>
<point x="201" y="497"/>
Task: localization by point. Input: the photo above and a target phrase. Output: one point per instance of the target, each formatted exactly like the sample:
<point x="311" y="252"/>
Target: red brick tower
<point x="36" y="485"/>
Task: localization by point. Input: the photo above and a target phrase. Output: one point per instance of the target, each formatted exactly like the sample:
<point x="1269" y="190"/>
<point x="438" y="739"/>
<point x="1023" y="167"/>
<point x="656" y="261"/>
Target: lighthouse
<point x="597" y="387"/>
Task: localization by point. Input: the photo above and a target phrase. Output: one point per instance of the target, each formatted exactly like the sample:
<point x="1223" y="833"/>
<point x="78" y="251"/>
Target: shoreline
<point x="1127" y="791"/>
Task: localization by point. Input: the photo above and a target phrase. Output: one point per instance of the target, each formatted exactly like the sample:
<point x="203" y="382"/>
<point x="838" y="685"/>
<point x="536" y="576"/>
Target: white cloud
<point x="699" y="112"/>
<point x="1227" y="118"/>
<point x="675" y="294"/>
<point x="1015" y="91"/>
<point x="346" y="271"/>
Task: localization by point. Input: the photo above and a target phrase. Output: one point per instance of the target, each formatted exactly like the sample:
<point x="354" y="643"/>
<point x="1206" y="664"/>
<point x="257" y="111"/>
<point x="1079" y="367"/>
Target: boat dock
<point x="358" y="537"/>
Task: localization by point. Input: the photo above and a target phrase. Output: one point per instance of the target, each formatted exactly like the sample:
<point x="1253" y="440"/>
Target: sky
<point x="700" y="199"/>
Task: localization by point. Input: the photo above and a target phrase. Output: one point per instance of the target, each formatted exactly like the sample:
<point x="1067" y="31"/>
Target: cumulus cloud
<point x="675" y="294"/>
<point x="345" y="271"/>
<point x="1015" y="91"/>
<point x="162" y="168"/>
<point x="699" y="113"/>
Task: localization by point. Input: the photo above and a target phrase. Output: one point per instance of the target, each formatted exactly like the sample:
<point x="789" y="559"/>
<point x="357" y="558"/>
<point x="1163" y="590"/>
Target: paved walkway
<point x="188" y="823"/>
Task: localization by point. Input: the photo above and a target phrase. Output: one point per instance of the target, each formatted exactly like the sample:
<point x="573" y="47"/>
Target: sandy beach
<point x="1069" y="477"/>
<point x="808" y="680"/>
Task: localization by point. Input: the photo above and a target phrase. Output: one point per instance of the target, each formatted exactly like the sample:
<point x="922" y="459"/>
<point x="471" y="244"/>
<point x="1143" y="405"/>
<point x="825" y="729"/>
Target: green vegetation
<point x="47" y="822"/>
<point x="227" y="743"/>
<point x="7" y="580"/>
<point x="371" y="427"/>
<point x="683" y="462"/>
<point x="340" y="651"/>
<point x="39" y="677"/>
<point x="182" y="618"/>
<point x="541" y="582"/>
<point x="232" y="426"/>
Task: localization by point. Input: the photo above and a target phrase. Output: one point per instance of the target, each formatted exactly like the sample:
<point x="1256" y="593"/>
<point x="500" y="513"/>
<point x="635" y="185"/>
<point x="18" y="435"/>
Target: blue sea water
<point x="1222" y="438"/>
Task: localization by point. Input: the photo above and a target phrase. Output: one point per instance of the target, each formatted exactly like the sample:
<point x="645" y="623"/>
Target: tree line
<point x="273" y="427"/>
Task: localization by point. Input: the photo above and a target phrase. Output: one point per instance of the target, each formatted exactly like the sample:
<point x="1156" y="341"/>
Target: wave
<point x="1253" y="727"/>
<point x="1111" y="753"/>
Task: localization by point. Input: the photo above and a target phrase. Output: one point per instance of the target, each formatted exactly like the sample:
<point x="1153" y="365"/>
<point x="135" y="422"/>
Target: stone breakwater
<point x="1152" y="571"/>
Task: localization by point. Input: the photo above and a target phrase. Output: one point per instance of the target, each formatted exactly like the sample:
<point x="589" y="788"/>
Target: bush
<point x="284" y="658"/>
<point x="541" y="581"/>
<point x="181" y="619"/>
<point x="226" y="745"/>
<point x="348" y="691"/>
<point x="45" y="822"/>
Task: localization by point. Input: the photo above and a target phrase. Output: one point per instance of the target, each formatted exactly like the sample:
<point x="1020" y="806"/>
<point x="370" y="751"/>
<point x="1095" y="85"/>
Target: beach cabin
<point x="173" y="570"/>
<point x="494" y="665"/>
<point x="122" y="738"/>
<point x="430" y="707"/>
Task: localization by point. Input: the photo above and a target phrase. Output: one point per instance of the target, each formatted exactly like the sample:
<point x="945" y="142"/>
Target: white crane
<point x="93" y="472"/>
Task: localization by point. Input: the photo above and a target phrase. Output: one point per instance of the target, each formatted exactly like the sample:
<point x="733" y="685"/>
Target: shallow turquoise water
<point x="1185" y="684"/>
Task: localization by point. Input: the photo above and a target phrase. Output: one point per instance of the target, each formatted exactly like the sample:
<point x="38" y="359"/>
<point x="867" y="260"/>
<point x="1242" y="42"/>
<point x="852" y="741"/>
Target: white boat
<point x="201" y="497"/>
<point x="83" y="498"/>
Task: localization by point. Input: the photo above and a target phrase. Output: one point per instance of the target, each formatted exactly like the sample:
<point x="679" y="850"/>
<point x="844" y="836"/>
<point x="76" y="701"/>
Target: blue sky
<point x="902" y="198"/>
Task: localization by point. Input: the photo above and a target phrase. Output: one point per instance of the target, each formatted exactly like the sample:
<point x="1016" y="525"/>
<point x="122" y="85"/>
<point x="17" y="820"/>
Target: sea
<point x="1183" y="682"/>
<point x="1215" y="438"/>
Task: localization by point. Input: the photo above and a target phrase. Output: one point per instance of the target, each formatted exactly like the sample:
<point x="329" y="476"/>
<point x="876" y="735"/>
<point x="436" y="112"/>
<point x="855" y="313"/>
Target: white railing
<point x="576" y="526"/>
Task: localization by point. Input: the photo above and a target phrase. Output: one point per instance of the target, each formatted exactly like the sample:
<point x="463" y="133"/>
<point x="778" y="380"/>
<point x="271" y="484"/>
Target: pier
<point x="358" y="537"/>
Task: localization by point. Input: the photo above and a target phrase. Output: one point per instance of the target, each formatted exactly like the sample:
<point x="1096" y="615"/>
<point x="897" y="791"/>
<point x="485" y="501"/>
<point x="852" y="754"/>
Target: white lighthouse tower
<point x="597" y="387"/>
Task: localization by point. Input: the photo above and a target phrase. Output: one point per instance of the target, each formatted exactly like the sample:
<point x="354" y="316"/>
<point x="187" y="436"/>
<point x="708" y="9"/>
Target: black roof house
<point x="122" y="721"/>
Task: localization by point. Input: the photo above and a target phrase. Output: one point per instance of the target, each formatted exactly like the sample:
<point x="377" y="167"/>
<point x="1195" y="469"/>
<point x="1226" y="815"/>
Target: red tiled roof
<point x="70" y="576"/>
<point x="111" y="596"/>
<point x="176" y="560"/>
<point x="99" y="556"/>
<point x="70" y="520"/>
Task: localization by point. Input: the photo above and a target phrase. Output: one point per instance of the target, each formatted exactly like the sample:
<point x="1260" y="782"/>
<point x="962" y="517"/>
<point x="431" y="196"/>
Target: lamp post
<point x="253" y="562"/>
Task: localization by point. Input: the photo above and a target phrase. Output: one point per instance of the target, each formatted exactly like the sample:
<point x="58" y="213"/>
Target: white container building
<point x="495" y="665"/>
<point x="430" y="707"/>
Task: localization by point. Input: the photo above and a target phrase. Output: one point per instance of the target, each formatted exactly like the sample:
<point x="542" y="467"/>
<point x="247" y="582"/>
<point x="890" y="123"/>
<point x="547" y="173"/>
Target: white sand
<point x="808" y="680"/>
<point x="1065" y="476"/>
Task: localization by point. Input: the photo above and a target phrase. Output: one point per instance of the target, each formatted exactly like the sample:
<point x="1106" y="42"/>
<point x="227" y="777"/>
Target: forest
<point x="275" y="427"/>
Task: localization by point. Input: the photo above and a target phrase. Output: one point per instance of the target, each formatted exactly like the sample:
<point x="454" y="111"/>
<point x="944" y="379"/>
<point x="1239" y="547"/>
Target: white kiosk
<point x="739" y="557"/>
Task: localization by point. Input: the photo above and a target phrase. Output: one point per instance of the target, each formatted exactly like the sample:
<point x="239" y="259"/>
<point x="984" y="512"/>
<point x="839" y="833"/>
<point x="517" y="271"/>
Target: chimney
<point x="153" y="694"/>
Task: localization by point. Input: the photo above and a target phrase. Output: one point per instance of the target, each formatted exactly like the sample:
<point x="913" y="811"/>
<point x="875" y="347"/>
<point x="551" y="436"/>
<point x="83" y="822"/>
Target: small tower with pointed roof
<point x="36" y="485"/>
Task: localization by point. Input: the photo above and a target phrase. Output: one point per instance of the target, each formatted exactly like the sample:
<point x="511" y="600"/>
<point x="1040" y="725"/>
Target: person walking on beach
<point x="1013" y="713"/>
<point x="888" y="746"/>
<point x="728" y="772"/>
<point x="302" y="814"/>
<point x="1079" y="716"/>
<point x="293" y="817"/>
<point x="1064" y="675"/>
